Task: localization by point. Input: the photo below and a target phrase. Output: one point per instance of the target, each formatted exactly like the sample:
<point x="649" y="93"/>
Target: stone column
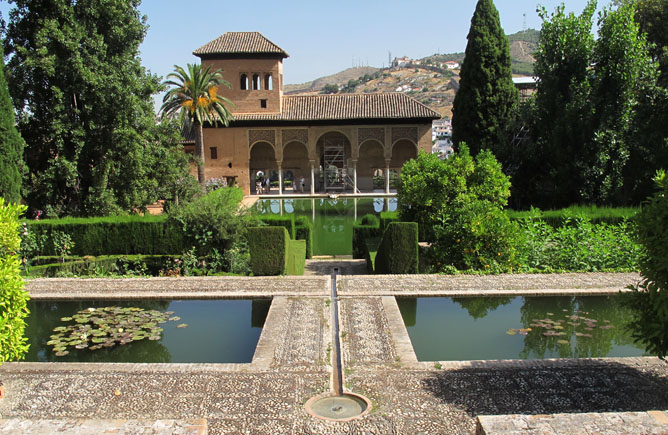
<point x="387" y="176"/>
<point x="312" y="176"/>
<point x="280" y="177"/>
<point x="354" y="162"/>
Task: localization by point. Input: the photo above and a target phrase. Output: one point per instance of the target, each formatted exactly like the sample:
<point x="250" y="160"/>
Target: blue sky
<point x="322" y="38"/>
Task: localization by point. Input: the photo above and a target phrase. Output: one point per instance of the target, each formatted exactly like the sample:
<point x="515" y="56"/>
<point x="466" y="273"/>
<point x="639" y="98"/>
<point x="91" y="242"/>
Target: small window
<point x="214" y="153"/>
<point x="256" y="82"/>
<point x="263" y="104"/>
<point x="267" y="82"/>
<point x="243" y="85"/>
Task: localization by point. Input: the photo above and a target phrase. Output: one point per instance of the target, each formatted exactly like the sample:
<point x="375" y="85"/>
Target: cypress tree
<point x="484" y="103"/>
<point x="11" y="146"/>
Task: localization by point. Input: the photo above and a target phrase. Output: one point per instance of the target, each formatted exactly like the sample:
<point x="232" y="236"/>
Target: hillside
<point x="426" y="79"/>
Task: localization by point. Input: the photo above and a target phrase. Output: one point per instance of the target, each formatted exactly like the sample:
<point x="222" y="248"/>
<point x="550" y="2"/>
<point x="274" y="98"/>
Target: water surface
<point x="332" y="218"/>
<point x="478" y="328"/>
<point x="218" y="331"/>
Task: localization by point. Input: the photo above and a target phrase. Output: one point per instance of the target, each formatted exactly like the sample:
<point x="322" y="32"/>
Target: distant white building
<point x="441" y="129"/>
<point x="401" y="62"/>
<point x="451" y="64"/>
<point x="526" y="86"/>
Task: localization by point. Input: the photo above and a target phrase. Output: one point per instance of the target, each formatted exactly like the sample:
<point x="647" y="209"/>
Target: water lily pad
<point x="509" y="332"/>
<point x="558" y="327"/>
<point x="182" y="325"/>
<point x="65" y="319"/>
<point x="550" y="314"/>
<point x="174" y="318"/>
<point x="154" y="337"/>
<point x="563" y="341"/>
<point x="61" y="353"/>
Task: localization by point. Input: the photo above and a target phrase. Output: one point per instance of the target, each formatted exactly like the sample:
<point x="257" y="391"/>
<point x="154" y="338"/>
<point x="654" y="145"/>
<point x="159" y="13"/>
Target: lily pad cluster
<point x="551" y="327"/>
<point x="97" y="328"/>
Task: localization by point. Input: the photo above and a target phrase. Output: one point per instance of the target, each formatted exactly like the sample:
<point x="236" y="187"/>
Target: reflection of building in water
<point x="336" y="142"/>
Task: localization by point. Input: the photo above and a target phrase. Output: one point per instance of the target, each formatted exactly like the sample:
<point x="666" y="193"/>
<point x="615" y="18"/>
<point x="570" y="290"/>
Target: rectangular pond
<point x="193" y="331"/>
<point x="332" y="218"/>
<point x="488" y="328"/>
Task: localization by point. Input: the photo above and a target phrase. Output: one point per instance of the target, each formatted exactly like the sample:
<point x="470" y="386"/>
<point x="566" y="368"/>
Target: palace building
<point x="336" y="143"/>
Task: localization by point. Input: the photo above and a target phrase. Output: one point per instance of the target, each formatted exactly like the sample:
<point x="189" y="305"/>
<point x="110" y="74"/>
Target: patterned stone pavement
<point x="291" y="365"/>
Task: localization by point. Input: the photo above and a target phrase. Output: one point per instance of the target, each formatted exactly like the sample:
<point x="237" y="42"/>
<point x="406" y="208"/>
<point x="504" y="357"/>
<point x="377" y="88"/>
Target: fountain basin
<point x="329" y="406"/>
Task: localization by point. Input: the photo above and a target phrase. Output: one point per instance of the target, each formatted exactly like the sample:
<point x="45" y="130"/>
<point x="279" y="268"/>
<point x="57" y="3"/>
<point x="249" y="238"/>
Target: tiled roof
<point x="240" y="43"/>
<point x="345" y="107"/>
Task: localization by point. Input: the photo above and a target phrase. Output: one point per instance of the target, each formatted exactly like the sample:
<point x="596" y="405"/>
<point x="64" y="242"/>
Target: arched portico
<point x="296" y="160"/>
<point x="334" y="152"/>
<point x="372" y="158"/>
<point x="262" y="157"/>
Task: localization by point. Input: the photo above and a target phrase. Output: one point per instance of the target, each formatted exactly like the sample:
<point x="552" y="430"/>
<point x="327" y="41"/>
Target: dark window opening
<point x="243" y="85"/>
<point x="263" y="104"/>
<point x="267" y="82"/>
<point x="256" y="82"/>
<point x="214" y="153"/>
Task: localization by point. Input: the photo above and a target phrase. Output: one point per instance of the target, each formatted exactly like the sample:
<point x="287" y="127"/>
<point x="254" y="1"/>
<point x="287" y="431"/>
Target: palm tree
<point x="194" y="96"/>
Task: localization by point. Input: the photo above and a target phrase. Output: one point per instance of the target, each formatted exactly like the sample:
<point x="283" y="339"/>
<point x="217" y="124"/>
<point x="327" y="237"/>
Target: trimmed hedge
<point x="275" y="220"/>
<point x="296" y="259"/>
<point x="365" y="228"/>
<point x="398" y="251"/>
<point x="386" y="217"/>
<point x="106" y="264"/>
<point x="304" y="231"/>
<point x="268" y="250"/>
<point x="112" y="236"/>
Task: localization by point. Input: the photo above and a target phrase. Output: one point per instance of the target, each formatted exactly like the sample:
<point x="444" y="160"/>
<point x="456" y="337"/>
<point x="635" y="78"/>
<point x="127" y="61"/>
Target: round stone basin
<point x="329" y="406"/>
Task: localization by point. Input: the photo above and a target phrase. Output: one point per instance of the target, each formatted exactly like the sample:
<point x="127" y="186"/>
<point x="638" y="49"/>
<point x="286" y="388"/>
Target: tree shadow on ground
<point x="556" y="387"/>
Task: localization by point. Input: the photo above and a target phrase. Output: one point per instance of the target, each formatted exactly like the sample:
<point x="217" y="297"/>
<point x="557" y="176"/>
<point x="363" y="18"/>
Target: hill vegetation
<point x="426" y="80"/>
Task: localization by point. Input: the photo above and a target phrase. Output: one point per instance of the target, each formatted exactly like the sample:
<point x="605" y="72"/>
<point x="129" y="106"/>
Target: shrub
<point x="304" y="231"/>
<point x="287" y="221"/>
<point x="577" y="245"/>
<point x="296" y="256"/>
<point x="118" y="235"/>
<point x="268" y="250"/>
<point x="649" y="299"/>
<point x="458" y="205"/>
<point x="13" y="297"/>
<point x="386" y="217"/>
<point x="398" y="251"/>
<point x="368" y="226"/>
<point x="213" y="221"/>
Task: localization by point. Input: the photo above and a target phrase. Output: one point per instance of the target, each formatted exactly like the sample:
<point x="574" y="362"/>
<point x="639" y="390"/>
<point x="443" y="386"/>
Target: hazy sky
<point x="322" y="37"/>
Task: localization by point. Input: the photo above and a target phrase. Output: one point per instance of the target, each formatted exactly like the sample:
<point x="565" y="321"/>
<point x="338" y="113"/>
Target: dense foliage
<point x="596" y="112"/>
<point x="13" y="297"/>
<point x="578" y="245"/>
<point x="458" y="205"/>
<point x="484" y="103"/>
<point x="11" y="146"/>
<point x="84" y="105"/>
<point x="649" y="298"/>
<point x="398" y="250"/>
<point x="214" y="224"/>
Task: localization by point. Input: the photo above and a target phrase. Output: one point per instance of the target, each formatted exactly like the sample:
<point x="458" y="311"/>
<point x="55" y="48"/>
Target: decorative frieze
<point x="261" y="135"/>
<point x="293" y="134"/>
<point x="364" y="134"/>
<point x="409" y="133"/>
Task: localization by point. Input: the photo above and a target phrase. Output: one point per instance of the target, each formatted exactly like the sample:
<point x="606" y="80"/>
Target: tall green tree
<point x="586" y="120"/>
<point x="11" y="146"/>
<point x="194" y="97"/>
<point x="562" y="115"/>
<point x="84" y="103"/>
<point x="483" y="106"/>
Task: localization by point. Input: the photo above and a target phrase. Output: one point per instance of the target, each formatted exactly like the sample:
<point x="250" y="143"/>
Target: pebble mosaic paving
<point x="291" y="365"/>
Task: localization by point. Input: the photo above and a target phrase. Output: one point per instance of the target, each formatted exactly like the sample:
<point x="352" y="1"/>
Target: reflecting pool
<point x="216" y="331"/>
<point x="332" y="218"/>
<point x="477" y="328"/>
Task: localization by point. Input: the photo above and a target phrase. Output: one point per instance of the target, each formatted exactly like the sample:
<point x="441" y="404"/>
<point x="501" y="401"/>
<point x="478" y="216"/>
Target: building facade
<point x="334" y="142"/>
